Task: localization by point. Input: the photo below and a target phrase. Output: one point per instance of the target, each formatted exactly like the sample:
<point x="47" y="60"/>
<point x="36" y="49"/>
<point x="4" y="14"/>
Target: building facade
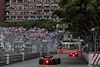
<point x="2" y="9"/>
<point x="19" y="10"/>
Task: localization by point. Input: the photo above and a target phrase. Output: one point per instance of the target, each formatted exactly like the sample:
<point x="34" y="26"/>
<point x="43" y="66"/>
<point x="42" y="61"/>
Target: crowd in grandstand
<point x="32" y="33"/>
<point x="31" y="7"/>
<point x="28" y="18"/>
<point x="27" y="13"/>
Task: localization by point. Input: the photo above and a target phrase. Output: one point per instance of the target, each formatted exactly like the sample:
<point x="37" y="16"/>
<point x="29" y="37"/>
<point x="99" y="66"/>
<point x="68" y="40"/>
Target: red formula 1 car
<point x="49" y="60"/>
<point x="73" y="54"/>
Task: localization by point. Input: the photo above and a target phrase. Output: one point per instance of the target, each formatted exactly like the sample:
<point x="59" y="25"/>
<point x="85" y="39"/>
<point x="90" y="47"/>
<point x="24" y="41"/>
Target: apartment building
<point x="2" y="8"/>
<point x="19" y="10"/>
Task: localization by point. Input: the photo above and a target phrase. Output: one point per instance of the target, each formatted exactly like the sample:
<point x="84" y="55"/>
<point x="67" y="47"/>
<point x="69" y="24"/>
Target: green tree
<point x="81" y="15"/>
<point x="42" y="23"/>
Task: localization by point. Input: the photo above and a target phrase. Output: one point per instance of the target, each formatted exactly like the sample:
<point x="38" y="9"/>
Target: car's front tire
<point x="40" y="61"/>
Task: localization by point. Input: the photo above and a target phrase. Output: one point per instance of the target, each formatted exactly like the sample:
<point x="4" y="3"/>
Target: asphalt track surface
<point x="65" y="62"/>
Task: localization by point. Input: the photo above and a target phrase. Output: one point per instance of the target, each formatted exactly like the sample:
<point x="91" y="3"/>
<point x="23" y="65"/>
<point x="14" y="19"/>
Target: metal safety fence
<point x="92" y="47"/>
<point x="17" y="48"/>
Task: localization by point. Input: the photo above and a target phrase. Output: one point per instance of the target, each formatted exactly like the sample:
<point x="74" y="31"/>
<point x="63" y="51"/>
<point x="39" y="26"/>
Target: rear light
<point x="52" y="58"/>
<point x="73" y="55"/>
<point x="41" y="57"/>
<point x="47" y="61"/>
<point x="70" y="53"/>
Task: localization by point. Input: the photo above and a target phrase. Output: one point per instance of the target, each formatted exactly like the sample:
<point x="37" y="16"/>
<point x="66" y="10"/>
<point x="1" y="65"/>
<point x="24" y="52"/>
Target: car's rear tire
<point x="40" y="61"/>
<point x="54" y="61"/>
<point x="70" y="55"/>
<point x="59" y="61"/>
<point x="77" y="55"/>
<point x="50" y="62"/>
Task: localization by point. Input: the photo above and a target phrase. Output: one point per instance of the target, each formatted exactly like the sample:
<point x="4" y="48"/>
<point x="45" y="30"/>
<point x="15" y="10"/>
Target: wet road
<point x="65" y="62"/>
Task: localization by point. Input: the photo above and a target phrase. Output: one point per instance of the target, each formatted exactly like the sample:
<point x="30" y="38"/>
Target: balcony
<point x="31" y="2"/>
<point x="19" y="18"/>
<point x="31" y="9"/>
<point x="28" y="14"/>
<point x="13" y="20"/>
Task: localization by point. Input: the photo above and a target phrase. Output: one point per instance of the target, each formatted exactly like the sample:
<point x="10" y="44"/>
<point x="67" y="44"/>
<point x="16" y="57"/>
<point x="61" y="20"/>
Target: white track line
<point x="90" y="65"/>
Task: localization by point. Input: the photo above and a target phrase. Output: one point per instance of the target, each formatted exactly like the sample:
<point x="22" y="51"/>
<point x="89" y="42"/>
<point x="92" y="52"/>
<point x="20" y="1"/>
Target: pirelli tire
<point x="59" y="61"/>
<point x="55" y="61"/>
<point x="70" y="55"/>
<point x="50" y="62"/>
<point x="77" y="55"/>
<point x="40" y="61"/>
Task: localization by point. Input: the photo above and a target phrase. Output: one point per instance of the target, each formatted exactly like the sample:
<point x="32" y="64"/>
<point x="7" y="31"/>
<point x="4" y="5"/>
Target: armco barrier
<point x="31" y="56"/>
<point x="3" y="60"/>
<point x="19" y="57"/>
<point x="86" y="56"/>
<point x="17" y="48"/>
<point x="15" y="58"/>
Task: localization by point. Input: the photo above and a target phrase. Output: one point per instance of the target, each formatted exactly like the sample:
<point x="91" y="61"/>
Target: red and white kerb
<point x="94" y="59"/>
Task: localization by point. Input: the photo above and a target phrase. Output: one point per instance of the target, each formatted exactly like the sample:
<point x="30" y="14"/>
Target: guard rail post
<point x="40" y="51"/>
<point x="23" y="52"/>
<point x="7" y="52"/>
<point x="47" y="50"/>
